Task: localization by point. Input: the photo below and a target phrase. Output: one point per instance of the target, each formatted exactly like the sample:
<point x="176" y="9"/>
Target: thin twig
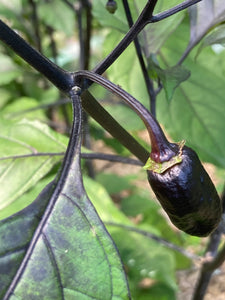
<point x="82" y="12"/>
<point x="39" y="107"/>
<point x="84" y="155"/>
<point x="36" y="24"/>
<point x="173" y="10"/>
<point x="142" y="20"/>
<point x="53" y="47"/>
<point x="206" y="273"/>
<point x="111" y="158"/>
<point x="216" y="259"/>
<point x="148" y="81"/>
<point x="148" y="119"/>
<point x="31" y="155"/>
<point x="155" y="238"/>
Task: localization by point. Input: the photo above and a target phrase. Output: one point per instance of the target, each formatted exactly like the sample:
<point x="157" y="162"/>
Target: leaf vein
<point x="54" y="263"/>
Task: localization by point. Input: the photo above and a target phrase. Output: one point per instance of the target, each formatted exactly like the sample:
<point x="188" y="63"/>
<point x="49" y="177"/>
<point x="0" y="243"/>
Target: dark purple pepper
<point x="188" y="195"/>
<point x="181" y="184"/>
<point x="175" y="173"/>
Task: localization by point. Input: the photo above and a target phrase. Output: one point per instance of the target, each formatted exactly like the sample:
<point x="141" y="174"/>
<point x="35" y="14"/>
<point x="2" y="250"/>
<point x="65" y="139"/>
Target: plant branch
<point x="88" y="31"/>
<point x="216" y="258"/>
<point x="148" y="81"/>
<point x="206" y="273"/>
<point x="64" y="81"/>
<point x="30" y="155"/>
<point x="36" y="24"/>
<point x="173" y="10"/>
<point x="142" y="20"/>
<point x="84" y="155"/>
<point x="60" y="78"/>
<point x="155" y="132"/>
<point x="111" y="158"/>
<point x="155" y="238"/>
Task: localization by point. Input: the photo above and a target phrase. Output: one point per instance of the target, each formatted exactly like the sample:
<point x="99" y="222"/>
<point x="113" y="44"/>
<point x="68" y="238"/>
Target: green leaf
<point x="125" y="116"/>
<point x="23" y="107"/>
<point x="25" y="138"/>
<point x="113" y="183"/>
<point x="197" y="111"/>
<point x="216" y="36"/>
<point x="154" y="35"/>
<point x="171" y="77"/>
<point x="143" y="257"/>
<point x="116" y="20"/>
<point x="203" y="16"/>
<point x="25" y="199"/>
<point x="57" y="15"/>
<point x="4" y="97"/>
<point x="70" y="255"/>
<point x="128" y="75"/>
<point x="9" y="71"/>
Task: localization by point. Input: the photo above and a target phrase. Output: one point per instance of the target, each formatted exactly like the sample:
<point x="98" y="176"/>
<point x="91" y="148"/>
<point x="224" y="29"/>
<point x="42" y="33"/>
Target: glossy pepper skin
<point x="188" y="195"/>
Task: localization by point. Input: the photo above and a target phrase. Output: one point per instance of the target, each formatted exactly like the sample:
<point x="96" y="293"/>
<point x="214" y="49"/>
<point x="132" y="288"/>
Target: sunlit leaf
<point x="142" y="256"/>
<point x="203" y="16"/>
<point x="216" y="36"/>
<point x="116" y="20"/>
<point x="9" y="71"/>
<point x="154" y="35"/>
<point x="170" y="77"/>
<point x="57" y="15"/>
<point x="197" y="110"/>
<point x="25" y="138"/>
<point x="23" y="107"/>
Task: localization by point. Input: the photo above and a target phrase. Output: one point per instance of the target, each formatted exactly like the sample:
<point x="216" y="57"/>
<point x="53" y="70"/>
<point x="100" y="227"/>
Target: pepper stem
<point x="162" y="150"/>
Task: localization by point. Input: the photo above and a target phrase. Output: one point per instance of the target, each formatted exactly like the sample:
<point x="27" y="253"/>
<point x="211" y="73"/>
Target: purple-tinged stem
<point x="162" y="150"/>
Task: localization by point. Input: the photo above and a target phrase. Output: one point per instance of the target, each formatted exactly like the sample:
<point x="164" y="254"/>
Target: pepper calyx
<point x="161" y="167"/>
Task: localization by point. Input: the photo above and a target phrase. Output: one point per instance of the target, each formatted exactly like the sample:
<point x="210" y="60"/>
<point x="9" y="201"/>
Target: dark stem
<point x="84" y="155"/>
<point x="88" y="31"/>
<point x="112" y="158"/>
<point x="206" y="273"/>
<point x="64" y="80"/>
<point x="36" y="25"/>
<point x="148" y="81"/>
<point x="60" y="78"/>
<point x="84" y="20"/>
<point x="142" y="20"/>
<point x="212" y="252"/>
<point x="173" y="10"/>
<point x="78" y="12"/>
<point x="214" y="241"/>
<point x="160" y="145"/>
<point x="53" y="47"/>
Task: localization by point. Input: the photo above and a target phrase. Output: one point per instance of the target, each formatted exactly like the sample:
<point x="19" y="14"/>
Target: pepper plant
<point x="61" y="235"/>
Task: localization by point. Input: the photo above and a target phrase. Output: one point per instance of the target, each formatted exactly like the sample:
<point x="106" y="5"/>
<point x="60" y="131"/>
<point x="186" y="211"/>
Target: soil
<point x="187" y="280"/>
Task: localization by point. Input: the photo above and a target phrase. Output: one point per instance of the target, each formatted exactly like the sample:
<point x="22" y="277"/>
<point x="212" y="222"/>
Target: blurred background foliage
<point x="35" y="119"/>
